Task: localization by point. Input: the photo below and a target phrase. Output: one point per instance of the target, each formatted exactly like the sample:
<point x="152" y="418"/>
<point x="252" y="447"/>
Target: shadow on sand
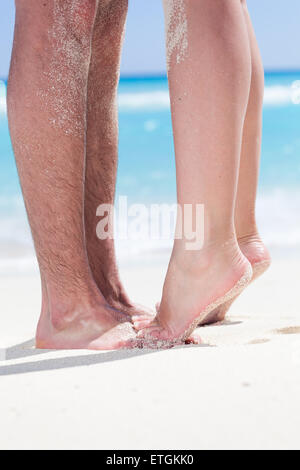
<point x="26" y="349"/>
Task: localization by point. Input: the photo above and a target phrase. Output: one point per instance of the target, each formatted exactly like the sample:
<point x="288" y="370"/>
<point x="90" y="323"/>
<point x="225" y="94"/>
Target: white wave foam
<point x="276" y="95"/>
<point x="152" y="100"/>
<point x="282" y="95"/>
<point x="2" y="97"/>
<point x="278" y="219"/>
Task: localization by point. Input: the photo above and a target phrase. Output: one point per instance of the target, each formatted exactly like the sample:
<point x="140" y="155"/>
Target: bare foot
<point x="258" y="255"/>
<point x="84" y="325"/>
<point x="195" y="285"/>
<point x="137" y="313"/>
<point x="116" y="297"/>
<point x="256" y="252"/>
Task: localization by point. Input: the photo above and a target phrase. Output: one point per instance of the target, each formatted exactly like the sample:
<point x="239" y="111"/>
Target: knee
<point x="62" y="18"/>
<point x="111" y="16"/>
<point x="74" y="18"/>
<point x="109" y="27"/>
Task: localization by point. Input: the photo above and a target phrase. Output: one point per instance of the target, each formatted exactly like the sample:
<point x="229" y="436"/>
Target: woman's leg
<point x="47" y="113"/>
<point x="245" y="216"/>
<point x="102" y="147"/>
<point x="249" y="240"/>
<point x="209" y="77"/>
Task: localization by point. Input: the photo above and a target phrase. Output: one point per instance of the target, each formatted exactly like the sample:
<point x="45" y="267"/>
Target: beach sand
<point x="239" y="390"/>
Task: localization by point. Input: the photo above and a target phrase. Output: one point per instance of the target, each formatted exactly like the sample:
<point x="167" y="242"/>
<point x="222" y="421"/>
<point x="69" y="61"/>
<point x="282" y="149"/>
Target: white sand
<point x="242" y="393"/>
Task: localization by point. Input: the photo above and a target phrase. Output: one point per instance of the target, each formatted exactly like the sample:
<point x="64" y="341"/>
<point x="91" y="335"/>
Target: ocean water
<point x="147" y="168"/>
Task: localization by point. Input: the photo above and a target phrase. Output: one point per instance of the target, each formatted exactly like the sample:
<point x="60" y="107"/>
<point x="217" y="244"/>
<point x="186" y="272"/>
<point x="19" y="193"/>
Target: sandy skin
<point x="78" y="300"/>
<point x="257" y="255"/>
<point x="217" y="162"/>
<point x="82" y="307"/>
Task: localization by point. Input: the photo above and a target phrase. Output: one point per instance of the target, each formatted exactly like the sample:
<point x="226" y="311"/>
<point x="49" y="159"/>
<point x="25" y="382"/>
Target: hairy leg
<point x="102" y="147"/>
<point x="209" y="77"/>
<point x="245" y="216"/>
<point x="47" y="115"/>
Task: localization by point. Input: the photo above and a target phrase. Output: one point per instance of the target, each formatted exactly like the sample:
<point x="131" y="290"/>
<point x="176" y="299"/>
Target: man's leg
<point x="102" y="147"/>
<point x="245" y="216"/>
<point x="47" y="114"/>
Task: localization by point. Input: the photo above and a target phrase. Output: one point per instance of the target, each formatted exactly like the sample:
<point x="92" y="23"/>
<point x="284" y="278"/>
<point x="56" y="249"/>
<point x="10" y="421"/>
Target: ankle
<point x="245" y="224"/>
<point x="248" y="235"/>
<point x="110" y="285"/>
<point x="72" y="311"/>
<point x="217" y="252"/>
<point x="72" y="305"/>
<point x="210" y="245"/>
<point x="116" y="296"/>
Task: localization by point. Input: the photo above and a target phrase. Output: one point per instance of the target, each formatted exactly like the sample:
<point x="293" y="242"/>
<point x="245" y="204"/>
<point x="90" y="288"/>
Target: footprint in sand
<point x="291" y="330"/>
<point x="260" y="341"/>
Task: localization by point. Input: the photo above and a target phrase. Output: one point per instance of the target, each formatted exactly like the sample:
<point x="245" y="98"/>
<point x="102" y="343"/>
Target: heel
<point x="243" y="282"/>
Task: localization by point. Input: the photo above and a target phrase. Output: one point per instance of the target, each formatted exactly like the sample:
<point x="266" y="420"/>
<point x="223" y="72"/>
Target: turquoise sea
<point x="147" y="169"/>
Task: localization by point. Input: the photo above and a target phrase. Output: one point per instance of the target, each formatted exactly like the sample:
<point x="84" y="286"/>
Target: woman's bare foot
<point x="195" y="285"/>
<point x="84" y="324"/>
<point x="256" y="252"/>
<point x="258" y="255"/>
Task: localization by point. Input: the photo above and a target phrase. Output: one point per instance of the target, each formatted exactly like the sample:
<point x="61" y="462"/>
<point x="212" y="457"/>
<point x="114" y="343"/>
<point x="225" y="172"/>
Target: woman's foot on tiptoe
<point x="256" y="252"/>
<point x="195" y="285"/>
<point x="258" y="255"/>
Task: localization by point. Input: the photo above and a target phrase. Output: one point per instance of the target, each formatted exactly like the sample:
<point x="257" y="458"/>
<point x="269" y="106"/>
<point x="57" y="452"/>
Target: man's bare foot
<point x="122" y="303"/>
<point x="106" y="274"/>
<point x="110" y="285"/>
<point x="258" y="255"/>
<point x="84" y="325"/>
<point x="195" y="285"/>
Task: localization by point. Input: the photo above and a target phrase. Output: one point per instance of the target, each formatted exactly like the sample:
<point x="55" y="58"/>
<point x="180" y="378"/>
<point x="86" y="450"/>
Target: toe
<point x="140" y="318"/>
<point x="153" y="331"/>
<point x="140" y="325"/>
<point x="122" y="336"/>
<point x="194" y="339"/>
